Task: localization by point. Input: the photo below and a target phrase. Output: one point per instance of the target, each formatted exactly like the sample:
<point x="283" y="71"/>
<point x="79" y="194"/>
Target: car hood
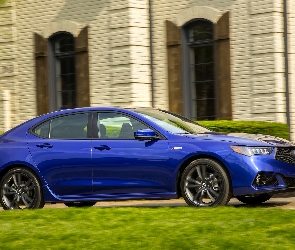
<point x="246" y="139"/>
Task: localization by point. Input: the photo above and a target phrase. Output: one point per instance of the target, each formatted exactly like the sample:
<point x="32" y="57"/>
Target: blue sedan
<point x="81" y="156"/>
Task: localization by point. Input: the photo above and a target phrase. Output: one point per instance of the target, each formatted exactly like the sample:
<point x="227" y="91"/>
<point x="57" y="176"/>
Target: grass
<point x="148" y="228"/>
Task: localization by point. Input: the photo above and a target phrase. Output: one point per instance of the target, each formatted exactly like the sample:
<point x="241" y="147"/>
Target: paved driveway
<point x="283" y="203"/>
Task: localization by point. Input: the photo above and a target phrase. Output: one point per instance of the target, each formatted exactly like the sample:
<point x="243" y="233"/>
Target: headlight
<point x="252" y="150"/>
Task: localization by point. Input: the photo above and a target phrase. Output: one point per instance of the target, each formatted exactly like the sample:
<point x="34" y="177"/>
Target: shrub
<point x="251" y="127"/>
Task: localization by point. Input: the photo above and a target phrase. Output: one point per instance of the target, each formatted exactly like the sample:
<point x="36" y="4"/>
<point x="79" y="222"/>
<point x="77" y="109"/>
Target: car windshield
<point x="171" y="122"/>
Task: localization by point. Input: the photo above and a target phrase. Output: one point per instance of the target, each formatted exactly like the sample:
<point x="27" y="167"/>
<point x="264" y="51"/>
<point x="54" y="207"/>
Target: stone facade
<point x="291" y="49"/>
<point x="257" y="51"/>
<point x="8" y="65"/>
<point x="119" y="52"/>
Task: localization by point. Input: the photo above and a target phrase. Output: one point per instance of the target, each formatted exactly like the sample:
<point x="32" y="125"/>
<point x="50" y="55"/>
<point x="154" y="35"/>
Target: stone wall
<point x="257" y="59"/>
<point x="291" y="49"/>
<point x="8" y="66"/>
<point x="119" y="62"/>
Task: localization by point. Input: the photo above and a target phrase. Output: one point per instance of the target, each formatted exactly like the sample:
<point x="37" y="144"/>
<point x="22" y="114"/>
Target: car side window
<point x="112" y="125"/>
<point x="64" y="127"/>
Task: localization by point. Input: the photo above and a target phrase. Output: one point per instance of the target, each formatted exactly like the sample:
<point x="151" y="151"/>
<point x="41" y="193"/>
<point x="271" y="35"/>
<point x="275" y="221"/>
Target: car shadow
<point x="269" y="204"/>
<point x="279" y="203"/>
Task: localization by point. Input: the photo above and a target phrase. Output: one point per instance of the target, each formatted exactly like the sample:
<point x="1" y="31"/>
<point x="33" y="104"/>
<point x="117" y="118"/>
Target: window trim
<point x="52" y="58"/>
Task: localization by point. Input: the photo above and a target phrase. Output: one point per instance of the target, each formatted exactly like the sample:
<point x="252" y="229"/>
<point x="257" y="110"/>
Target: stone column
<point x="8" y="65"/>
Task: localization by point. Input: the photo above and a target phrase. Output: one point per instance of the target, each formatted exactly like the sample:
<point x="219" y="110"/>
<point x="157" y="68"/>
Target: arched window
<point x="199" y="74"/>
<point x="62" y="72"/>
<point x="202" y="76"/>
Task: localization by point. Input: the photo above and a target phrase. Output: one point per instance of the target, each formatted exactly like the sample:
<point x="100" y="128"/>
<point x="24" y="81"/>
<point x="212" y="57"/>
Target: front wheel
<point x="20" y="189"/>
<point x="254" y="199"/>
<point x="204" y="183"/>
<point x="80" y="204"/>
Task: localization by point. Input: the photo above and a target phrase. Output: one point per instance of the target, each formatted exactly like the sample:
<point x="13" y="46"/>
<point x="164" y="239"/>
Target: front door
<point x="127" y="168"/>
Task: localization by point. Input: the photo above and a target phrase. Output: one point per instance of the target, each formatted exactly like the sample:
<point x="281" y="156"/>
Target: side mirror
<point x="145" y="134"/>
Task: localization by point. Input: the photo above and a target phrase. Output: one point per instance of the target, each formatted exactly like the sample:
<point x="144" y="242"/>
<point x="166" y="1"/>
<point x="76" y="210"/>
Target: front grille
<point x="286" y="155"/>
<point x="265" y="179"/>
<point x="290" y="182"/>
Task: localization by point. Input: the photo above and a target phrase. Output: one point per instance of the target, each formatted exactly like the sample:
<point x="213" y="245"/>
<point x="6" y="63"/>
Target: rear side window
<point x="64" y="127"/>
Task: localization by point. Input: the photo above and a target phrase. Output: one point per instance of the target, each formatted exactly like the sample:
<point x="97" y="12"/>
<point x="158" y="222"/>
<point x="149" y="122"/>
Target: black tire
<point x="254" y="199"/>
<point x="20" y="189"/>
<point x="80" y="204"/>
<point x="205" y="183"/>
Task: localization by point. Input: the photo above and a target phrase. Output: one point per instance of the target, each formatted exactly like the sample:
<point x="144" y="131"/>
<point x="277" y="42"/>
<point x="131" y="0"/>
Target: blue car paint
<point x="66" y="166"/>
<point x="131" y="169"/>
<point x="136" y="166"/>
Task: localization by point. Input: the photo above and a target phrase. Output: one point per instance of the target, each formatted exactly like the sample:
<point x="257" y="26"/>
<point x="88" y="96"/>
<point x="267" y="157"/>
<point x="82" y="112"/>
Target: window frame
<point x="177" y="67"/>
<point x="43" y="53"/>
<point x="190" y="102"/>
<point x="32" y="129"/>
<point x="94" y="122"/>
<point x="55" y="98"/>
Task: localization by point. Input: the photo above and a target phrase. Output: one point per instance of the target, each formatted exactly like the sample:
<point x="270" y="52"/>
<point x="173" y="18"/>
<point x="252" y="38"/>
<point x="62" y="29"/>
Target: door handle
<point x="44" y="145"/>
<point x="102" y="147"/>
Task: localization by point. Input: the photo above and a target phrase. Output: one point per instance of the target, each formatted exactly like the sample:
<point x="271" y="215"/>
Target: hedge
<point x="251" y="127"/>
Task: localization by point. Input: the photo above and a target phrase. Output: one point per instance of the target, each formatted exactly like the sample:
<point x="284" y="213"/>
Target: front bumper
<point x="260" y="174"/>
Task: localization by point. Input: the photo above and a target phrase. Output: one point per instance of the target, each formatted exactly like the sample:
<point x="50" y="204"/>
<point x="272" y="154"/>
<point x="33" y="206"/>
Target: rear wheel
<point x="254" y="199"/>
<point x="205" y="183"/>
<point x="80" y="204"/>
<point x="20" y="189"/>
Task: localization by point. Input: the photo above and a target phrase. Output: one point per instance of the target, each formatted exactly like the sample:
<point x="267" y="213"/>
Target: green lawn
<point x="148" y="228"/>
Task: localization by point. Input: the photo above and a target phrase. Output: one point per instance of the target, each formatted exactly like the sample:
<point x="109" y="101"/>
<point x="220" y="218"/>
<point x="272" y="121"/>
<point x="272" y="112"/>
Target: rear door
<point x="61" y="149"/>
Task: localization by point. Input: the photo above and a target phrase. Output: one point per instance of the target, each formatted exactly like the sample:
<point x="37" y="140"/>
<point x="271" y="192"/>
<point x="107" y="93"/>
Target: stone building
<point x="206" y="59"/>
